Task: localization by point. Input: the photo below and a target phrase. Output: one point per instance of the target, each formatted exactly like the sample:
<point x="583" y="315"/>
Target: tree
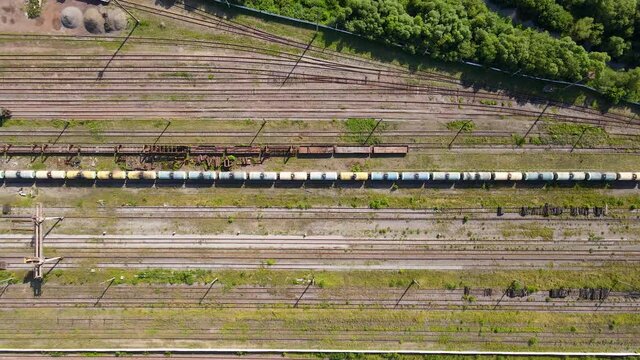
<point x="617" y="46"/>
<point x="5" y="114"/>
<point x="586" y="30"/>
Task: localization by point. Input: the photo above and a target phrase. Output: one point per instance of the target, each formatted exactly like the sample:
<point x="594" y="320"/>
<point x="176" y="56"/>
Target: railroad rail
<point x="251" y="297"/>
<point x="205" y="150"/>
<point x="319" y="252"/>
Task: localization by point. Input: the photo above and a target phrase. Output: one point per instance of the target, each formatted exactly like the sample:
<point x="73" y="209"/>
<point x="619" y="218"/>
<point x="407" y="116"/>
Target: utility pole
<point x="38" y="237"/>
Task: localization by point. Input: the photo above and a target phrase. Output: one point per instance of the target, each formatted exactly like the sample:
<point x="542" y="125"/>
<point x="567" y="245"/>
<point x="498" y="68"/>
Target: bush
<point x="379" y="203"/>
<point x="33" y="9"/>
<point x="461" y="125"/>
<point x="5" y="114"/>
<point x="454" y="30"/>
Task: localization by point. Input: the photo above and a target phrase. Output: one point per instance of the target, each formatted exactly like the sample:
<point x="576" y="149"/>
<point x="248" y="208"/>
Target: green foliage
<point x="518" y="140"/>
<point x="379" y="203"/>
<point x="488" y="102"/>
<point x="270" y="262"/>
<point x="619" y="85"/>
<point x="454" y="30"/>
<point x="33" y="9"/>
<point x="546" y="13"/>
<point x="469" y="298"/>
<point x="163" y="276"/>
<point x="5" y="114"/>
<point x="617" y="46"/>
<point x="361" y="130"/>
<point x="38" y="165"/>
<point x="581" y="135"/>
<point x="586" y="30"/>
<point x="461" y="125"/>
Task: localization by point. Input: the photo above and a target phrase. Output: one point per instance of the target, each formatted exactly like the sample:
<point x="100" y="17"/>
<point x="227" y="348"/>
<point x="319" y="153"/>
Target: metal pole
<point x="127" y="11"/>
<point x="37" y="274"/>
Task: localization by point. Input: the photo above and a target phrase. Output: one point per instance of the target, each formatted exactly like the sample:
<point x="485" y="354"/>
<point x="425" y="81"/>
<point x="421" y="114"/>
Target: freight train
<point x="265" y="176"/>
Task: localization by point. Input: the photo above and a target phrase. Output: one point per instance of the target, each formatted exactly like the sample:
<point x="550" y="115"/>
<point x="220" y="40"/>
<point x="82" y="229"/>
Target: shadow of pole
<point x="208" y="290"/>
<point x="101" y="73"/>
<point x="105" y="291"/>
<point x="311" y="282"/>
<point x="413" y="282"/>
<point x="53" y="267"/>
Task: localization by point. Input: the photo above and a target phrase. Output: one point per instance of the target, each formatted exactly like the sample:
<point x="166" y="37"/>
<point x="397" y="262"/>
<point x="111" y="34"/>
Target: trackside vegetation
<point x="615" y="277"/>
<point x="454" y="30"/>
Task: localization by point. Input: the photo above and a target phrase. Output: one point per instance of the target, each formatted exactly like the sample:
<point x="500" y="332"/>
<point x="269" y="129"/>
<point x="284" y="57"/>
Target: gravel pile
<point x="71" y="17"/>
<point x="98" y="20"/>
<point x="93" y="21"/>
<point x="115" y="20"/>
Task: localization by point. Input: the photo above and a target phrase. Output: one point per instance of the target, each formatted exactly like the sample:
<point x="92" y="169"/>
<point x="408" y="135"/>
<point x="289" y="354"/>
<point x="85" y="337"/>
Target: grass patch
<point x="361" y="130"/>
<point x="528" y="231"/>
<point x="465" y="126"/>
<point x="86" y="199"/>
<point x="617" y="277"/>
<point x="560" y="133"/>
<point x="326" y="328"/>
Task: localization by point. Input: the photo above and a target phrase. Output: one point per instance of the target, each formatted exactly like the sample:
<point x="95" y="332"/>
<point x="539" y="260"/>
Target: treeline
<point x="602" y="25"/>
<point x="455" y="30"/>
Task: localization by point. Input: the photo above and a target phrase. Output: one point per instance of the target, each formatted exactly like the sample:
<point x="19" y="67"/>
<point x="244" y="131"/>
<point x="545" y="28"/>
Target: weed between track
<point x="88" y="198"/>
<point x="615" y="277"/>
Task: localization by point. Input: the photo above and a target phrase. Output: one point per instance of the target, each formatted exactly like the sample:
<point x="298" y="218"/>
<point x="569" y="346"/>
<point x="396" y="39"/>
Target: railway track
<point x="238" y="28"/>
<point x="318" y="253"/>
<point x="245" y="297"/>
<point x="339" y="338"/>
<point x="341" y="79"/>
<point x="318" y="213"/>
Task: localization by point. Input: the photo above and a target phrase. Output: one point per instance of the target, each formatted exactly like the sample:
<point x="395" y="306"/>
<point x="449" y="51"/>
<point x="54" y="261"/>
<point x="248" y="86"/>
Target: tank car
<point x="323" y="176"/>
<point x="384" y="176"/>
<point x="263" y="176"/>
<point x="415" y="176"/>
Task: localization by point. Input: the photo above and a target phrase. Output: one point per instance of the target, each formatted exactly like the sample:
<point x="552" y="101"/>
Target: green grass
<point x="87" y="198"/>
<point x="461" y="125"/>
<point x="528" y="231"/>
<point x="362" y="130"/>
<point x="580" y="135"/>
<point x="617" y="277"/>
<point x="321" y="328"/>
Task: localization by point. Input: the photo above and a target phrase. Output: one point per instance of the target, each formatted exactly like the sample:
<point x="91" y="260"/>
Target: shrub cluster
<point x="454" y="30"/>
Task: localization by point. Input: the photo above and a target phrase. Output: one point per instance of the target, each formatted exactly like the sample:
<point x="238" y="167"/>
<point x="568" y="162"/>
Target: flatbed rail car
<point x="209" y="150"/>
<point x="343" y="176"/>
